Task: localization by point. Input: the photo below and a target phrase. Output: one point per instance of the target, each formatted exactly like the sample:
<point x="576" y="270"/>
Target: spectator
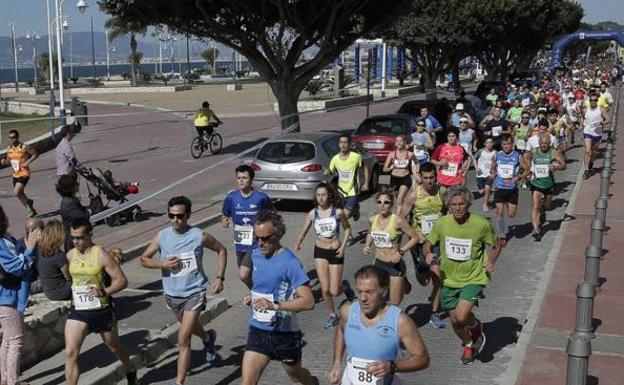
<point x="52" y="263"/>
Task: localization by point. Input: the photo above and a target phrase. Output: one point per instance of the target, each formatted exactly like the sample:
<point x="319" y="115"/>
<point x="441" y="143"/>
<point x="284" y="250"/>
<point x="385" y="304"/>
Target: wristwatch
<point x="220" y="277"/>
<point x="393" y="367"/>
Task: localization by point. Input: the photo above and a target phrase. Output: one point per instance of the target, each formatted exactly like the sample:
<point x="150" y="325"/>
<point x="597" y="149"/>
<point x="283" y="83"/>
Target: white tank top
<point x="593" y="122"/>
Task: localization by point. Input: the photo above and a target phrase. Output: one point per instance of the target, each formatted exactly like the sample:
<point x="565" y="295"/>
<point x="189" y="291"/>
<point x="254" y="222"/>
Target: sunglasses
<point x="525" y="117"/>
<point x="78" y="238"/>
<point x="265" y="239"/>
<point x="12" y="137"/>
<point x="463" y="122"/>
<point x="380" y="202"/>
<point x="420" y="125"/>
<point x="593" y="100"/>
<point x="178" y="216"/>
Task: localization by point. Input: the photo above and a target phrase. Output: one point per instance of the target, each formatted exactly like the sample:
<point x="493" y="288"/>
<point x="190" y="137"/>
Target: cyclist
<point x="20" y="156"/>
<point x="205" y="120"/>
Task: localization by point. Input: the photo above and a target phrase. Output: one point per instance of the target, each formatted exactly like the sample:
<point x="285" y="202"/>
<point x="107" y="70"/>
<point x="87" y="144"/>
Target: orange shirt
<point x="17" y="157"/>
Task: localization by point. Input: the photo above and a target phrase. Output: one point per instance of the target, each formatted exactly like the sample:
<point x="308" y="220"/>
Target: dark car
<point x="377" y="133"/>
<point x="439" y="108"/>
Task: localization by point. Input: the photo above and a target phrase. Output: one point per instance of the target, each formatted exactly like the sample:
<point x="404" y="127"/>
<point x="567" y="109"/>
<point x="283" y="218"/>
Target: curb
<point x="152" y="349"/>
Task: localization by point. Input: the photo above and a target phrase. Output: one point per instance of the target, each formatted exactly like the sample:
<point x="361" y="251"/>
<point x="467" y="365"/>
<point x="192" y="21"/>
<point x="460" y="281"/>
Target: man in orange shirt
<point x="19" y="157"/>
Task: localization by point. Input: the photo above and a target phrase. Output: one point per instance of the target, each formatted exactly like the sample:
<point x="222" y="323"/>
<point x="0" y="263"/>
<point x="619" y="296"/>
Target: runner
<point x="402" y="168"/>
<point x="280" y="290"/>
<point x="485" y="180"/>
<point x="374" y="357"/>
<point x="467" y="137"/>
<point x="465" y="264"/>
<point x="426" y="205"/>
<point x="522" y="131"/>
<point x="544" y="161"/>
<point x="506" y="167"/>
<point x="451" y="160"/>
<point x="421" y="144"/>
<point x="241" y="207"/>
<point x="20" y="156"/>
<point x="329" y="250"/>
<point x="385" y="230"/>
<point x="346" y="164"/>
<point x="497" y="126"/>
<point x="593" y="120"/>
<point x="90" y="267"/>
<point x="181" y="261"/>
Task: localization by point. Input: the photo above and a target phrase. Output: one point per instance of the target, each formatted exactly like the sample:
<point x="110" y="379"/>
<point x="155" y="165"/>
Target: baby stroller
<point x="113" y="191"/>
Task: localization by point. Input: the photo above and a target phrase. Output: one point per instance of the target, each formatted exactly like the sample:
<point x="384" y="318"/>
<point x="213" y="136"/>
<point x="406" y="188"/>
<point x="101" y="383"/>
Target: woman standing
<point x="71" y="208"/>
<point x="402" y="168"/>
<point x="15" y="264"/>
<point x="384" y="231"/>
<point x="52" y="263"/>
<point x="329" y="250"/>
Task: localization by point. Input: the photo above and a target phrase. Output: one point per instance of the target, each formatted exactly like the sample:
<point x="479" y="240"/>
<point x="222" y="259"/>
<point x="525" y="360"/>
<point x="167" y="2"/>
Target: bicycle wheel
<point x="197" y="147"/>
<point x="216" y="143"/>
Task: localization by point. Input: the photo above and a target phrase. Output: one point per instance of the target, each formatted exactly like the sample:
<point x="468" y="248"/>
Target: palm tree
<point x="118" y="28"/>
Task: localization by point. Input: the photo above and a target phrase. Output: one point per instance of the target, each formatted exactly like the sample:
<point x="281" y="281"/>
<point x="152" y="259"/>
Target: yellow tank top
<point x="87" y="271"/>
<point x="203" y="117"/>
<point x="387" y="237"/>
<point x="17" y="157"/>
<point x="427" y="210"/>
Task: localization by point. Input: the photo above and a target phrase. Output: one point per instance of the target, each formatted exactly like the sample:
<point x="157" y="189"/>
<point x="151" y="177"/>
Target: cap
<point x="459" y="106"/>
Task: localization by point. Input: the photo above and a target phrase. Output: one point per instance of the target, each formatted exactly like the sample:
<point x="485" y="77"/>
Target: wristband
<point x="220" y="277"/>
<point x="393" y="367"/>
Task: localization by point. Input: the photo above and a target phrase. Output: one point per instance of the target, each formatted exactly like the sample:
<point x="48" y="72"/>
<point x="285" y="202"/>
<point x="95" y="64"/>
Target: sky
<point x="31" y="14"/>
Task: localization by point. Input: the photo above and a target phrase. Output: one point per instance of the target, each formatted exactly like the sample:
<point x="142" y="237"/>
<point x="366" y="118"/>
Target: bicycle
<point x="212" y="140"/>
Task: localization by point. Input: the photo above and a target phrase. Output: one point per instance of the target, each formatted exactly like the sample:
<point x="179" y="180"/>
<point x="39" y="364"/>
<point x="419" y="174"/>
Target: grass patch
<point x="28" y="129"/>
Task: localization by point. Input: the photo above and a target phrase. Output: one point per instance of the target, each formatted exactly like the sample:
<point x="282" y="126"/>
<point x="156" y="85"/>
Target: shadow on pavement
<point x="419" y="312"/>
<point x="236" y="148"/>
<point x="128" y="305"/>
<point x="501" y="332"/>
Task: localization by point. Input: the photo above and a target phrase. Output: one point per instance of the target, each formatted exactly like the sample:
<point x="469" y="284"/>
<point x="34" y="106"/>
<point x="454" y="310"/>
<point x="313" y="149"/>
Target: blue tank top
<point x="190" y="277"/>
<point x="506" y="168"/>
<point x="465" y="139"/>
<point x="328" y="227"/>
<point x="379" y="342"/>
<point x="421" y="139"/>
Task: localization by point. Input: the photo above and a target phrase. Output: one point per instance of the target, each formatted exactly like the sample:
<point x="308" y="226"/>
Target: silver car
<point x="291" y="166"/>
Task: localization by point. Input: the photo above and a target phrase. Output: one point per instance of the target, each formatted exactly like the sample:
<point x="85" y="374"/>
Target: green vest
<point x="540" y="158"/>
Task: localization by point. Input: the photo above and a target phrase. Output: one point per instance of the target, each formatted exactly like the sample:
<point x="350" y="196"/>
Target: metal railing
<point x="579" y="342"/>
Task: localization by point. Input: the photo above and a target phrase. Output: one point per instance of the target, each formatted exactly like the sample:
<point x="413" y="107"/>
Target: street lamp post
<point x="59" y="60"/>
<point x="52" y="101"/>
<point x="33" y="37"/>
<point x="107" y="56"/>
<point x="92" y="53"/>
<point x="15" y="57"/>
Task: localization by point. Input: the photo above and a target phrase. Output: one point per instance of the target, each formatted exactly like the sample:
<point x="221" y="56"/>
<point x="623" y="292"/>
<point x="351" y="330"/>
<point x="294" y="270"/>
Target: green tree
<point x="43" y="62"/>
<point x="271" y="34"/>
<point x="119" y="27"/>
<point x="210" y="55"/>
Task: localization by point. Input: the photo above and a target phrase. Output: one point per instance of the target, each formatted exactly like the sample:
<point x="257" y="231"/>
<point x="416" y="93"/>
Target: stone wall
<point x="128" y="90"/>
<point x="27" y="108"/>
<point x="313" y="105"/>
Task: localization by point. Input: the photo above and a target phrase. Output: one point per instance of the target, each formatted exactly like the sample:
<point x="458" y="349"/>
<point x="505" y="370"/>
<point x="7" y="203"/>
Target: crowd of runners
<point x="519" y="143"/>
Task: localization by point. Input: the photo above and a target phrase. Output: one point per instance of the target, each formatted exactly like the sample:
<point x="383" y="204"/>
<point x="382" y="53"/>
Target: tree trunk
<point x="287" y="97"/>
<point x="430" y="82"/>
<point x="133" y="49"/>
<point x="455" y="71"/>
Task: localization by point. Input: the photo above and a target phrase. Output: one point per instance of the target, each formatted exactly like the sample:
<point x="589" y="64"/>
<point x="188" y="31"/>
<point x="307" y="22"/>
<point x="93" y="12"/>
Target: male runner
<point x="592" y="122"/>
<point x="373" y="332"/>
<point x="19" y="157"/>
<point x="279" y="291"/>
<point x="241" y="207"/>
<point x="346" y="164"/>
<point x="181" y="252"/>
<point x="465" y="264"/>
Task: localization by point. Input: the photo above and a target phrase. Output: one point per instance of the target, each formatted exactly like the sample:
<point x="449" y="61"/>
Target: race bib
<point x="82" y="301"/>
<point x="188" y="264"/>
<point x="345" y="176"/>
<point x="325" y="227"/>
<point x="485" y="167"/>
<point x="427" y="221"/>
<point x="243" y="235"/>
<point x="420" y="153"/>
<point x="497" y="131"/>
<point x="15" y="163"/>
<point x="458" y="249"/>
<point x="505" y="171"/>
<point x="381" y="239"/>
<point x="357" y="373"/>
<point x="450" y="169"/>
<point x="541" y="170"/>
<point x="521" y="144"/>
<point x="262" y="316"/>
<point x="401" y="163"/>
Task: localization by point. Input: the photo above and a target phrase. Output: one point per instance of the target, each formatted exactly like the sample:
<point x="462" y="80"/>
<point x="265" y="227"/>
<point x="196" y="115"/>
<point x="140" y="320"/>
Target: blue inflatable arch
<point x="566" y="40"/>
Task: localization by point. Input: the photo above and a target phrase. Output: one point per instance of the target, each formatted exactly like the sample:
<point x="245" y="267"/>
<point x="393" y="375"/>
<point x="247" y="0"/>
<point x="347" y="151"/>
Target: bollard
<point x="605" y="181"/>
<point x="608" y="161"/>
<point x="600" y="210"/>
<point x="585" y="294"/>
<point x="593" y="253"/>
<point x="579" y="350"/>
<point x="610" y="148"/>
<point x="597" y="233"/>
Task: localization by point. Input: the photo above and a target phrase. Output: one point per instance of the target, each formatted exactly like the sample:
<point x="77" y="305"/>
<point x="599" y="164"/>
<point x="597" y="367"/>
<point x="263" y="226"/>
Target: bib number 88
<point x="365" y="377"/>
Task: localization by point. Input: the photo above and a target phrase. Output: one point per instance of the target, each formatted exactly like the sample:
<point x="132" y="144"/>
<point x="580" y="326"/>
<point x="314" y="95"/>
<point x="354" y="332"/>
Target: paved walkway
<point x="546" y="358"/>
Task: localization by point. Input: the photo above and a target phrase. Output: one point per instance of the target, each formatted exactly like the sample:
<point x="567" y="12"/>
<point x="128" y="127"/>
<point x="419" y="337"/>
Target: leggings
<point x="12" y="336"/>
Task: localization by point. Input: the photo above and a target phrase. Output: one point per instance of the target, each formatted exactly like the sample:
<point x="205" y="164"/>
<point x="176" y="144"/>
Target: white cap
<point x="459" y="106"/>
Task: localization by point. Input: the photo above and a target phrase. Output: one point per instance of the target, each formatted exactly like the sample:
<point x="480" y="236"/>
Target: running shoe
<point x="331" y="321"/>
<point x="468" y="355"/>
<point x="132" y="379"/>
<point x="347" y="290"/>
<point x="209" y="346"/>
<point x="536" y="235"/>
<point x="356" y="213"/>
<point x="436" y="321"/>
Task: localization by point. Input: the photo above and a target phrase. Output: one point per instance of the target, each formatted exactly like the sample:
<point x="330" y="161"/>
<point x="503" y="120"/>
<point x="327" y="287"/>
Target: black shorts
<point x="98" y="321"/>
<point x="243" y="258"/>
<point x="397" y="181"/>
<point x="283" y="346"/>
<point x="23" y="180"/>
<point x="503" y="195"/>
<point x="207" y="129"/>
<point x="482" y="182"/>
<point x="545" y="191"/>
<point x="394" y="269"/>
<point x="328" y="254"/>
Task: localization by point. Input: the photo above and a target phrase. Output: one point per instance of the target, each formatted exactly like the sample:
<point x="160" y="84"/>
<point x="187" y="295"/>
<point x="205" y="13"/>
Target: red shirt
<point x="579" y="94"/>
<point x="450" y="175"/>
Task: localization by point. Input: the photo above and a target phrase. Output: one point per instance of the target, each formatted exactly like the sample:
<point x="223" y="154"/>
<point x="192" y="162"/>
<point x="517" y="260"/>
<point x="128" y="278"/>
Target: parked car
<point x="291" y="166"/>
<point x="376" y="134"/>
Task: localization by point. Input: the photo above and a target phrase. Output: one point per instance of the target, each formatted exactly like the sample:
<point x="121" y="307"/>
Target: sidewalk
<point x="546" y="357"/>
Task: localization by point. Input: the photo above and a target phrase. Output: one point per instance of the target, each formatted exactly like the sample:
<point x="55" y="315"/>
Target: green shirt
<point x="514" y="114"/>
<point x="462" y="249"/>
<point x="347" y="172"/>
<point x="543" y="160"/>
